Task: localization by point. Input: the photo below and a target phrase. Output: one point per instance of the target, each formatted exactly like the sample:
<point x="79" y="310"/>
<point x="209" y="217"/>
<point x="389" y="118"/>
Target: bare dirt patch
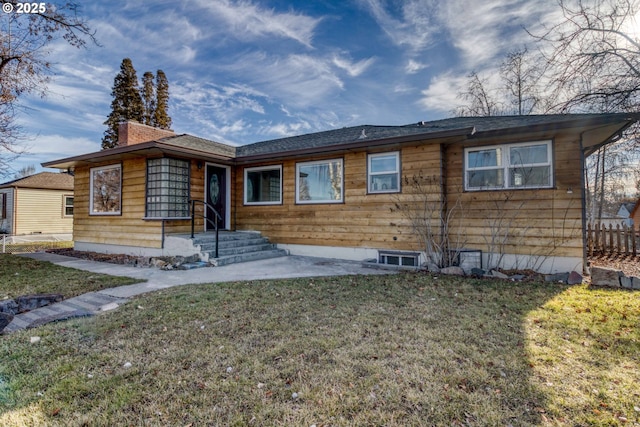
<point x="630" y="266"/>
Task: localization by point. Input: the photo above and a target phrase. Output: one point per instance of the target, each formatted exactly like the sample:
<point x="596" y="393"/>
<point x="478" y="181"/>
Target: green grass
<point x="24" y="276"/>
<point x="400" y="350"/>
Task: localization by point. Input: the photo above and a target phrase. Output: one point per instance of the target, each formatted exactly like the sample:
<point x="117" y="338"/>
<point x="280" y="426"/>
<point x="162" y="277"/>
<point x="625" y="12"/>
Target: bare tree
<point x="435" y="221"/>
<point x="593" y="56"/>
<point x="520" y="76"/>
<point x="24" y="68"/>
<point x="479" y="97"/>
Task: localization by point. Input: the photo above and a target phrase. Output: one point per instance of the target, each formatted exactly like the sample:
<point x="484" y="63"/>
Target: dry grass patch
<point x="23" y="276"/>
<point x="402" y="350"/>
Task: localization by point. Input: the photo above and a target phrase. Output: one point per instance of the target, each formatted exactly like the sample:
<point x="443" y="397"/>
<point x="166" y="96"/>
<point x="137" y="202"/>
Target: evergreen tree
<point x="126" y="104"/>
<point x="148" y="99"/>
<point x="162" y="119"/>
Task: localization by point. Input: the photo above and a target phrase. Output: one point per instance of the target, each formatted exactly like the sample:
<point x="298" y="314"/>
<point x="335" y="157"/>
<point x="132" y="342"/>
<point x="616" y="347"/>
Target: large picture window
<point x="384" y="172"/>
<point x="167" y="188"/>
<point x="524" y="165"/>
<point x="263" y="185"/>
<point x="319" y="182"/>
<point x="106" y="190"/>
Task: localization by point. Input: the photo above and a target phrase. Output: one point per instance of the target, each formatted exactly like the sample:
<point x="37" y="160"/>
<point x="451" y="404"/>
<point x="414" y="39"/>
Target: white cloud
<point x="414" y="66"/>
<point x="354" y="69"/>
<point x="415" y="28"/>
<point x="249" y="21"/>
<point x="300" y="80"/>
<point x="442" y="93"/>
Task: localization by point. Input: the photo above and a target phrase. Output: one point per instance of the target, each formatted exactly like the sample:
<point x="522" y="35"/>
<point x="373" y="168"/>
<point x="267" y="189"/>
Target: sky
<point x="253" y="70"/>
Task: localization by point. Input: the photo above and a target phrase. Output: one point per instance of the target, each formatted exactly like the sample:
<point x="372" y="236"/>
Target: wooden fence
<point x="612" y="240"/>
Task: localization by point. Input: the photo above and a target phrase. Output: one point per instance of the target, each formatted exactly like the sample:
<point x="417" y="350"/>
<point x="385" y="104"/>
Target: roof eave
<point x="145" y="148"/>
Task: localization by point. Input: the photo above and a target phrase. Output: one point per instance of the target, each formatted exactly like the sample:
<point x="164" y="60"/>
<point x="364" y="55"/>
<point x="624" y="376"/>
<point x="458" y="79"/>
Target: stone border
<point x="612" y="278"/>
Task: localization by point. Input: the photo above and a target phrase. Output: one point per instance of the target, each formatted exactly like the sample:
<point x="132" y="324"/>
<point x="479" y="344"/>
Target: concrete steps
<point x="236" y="247"/>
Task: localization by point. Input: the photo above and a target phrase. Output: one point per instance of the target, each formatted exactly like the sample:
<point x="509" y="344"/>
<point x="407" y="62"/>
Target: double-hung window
<point x="509" y="166"/>
<point x="167" y="188"/>
<point x="263" y="185"/>
<point x="105" y="190"/>
<point x="319" y="182"/>
<point x="384" y="172"/>
<point x="68" y="205"/>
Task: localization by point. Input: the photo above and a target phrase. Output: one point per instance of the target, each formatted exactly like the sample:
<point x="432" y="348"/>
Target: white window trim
<point x="64" y="205"/>
<point x="370" y="174"/>
<point x="258" y="169"/>
<point x="91" y="212"/>
<point x="319" y="162"/>
<point x="506" y="165"/>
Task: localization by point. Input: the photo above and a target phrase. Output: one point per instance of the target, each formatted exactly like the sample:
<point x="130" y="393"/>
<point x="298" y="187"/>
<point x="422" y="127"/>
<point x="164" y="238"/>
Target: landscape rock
<point x="453" y="271"/>
<point x="625" y="282"/>
<point x="31" y="302"/>
<point x="9" y="306"/>
<point x="477" y="272"/>
<point x="602" y="276"/>
<point x="499" y="275"/>
<point x="5" y="319"/>
<point x="575" y="278"/>
<point x="557" y="277"/>
<point x="635" y="283"/>
<point x="517" y="277"/>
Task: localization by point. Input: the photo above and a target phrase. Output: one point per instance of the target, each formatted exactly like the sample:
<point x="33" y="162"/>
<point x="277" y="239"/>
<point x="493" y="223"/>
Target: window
<point x="405" y="259"/>
<point x="106" y="190"/>
<point x="319" y="182"/>
<point x="263" y="185"/>
<point x="68" y="205"/>
<point x="527" y="165"/>
<point x="384" y="172"/>
<point x="3" y="205"/>
<point x="167" y="188"/>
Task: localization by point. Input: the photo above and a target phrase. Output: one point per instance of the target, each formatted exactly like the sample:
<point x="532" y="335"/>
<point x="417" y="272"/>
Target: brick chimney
<point x="132" y="132"/>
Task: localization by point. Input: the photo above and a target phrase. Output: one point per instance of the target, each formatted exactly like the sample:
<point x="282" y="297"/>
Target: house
<point x="510" y="188"/>
<point x="635" y="215"/>
<point x="624" y="212"/>
<point x="37" y="204"/>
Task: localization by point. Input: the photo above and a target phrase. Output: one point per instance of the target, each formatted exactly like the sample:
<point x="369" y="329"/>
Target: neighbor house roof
<point x="364" y="136"/>
<point x="43" y="180"/>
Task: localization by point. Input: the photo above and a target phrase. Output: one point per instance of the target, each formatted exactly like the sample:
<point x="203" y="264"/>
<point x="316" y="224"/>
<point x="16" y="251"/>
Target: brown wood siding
<point x="362" y="220"/>
<point x="41" y="211"/>
<point x="538" y="222"/>
<point x="127" y="229"/>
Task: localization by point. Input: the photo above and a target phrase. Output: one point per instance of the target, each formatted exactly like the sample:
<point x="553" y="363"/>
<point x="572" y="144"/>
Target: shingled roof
<point x="43" y="180"/>
<point x="469" y="126"/>
<point x="194" y="143"/>
<point x="464" y="128"/>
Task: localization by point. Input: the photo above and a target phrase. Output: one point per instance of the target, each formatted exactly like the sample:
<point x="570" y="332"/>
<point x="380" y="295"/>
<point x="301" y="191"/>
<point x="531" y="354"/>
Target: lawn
<point x="24" y="276"/>
<point x="400" y="350"/>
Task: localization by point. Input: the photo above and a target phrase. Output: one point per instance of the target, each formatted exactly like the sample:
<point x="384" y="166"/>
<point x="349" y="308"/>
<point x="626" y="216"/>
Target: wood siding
<point x="130" y="228"/>
<point x="40" y="211"/>
<point x="362" y="220"/>
<point x="540" y="222"/>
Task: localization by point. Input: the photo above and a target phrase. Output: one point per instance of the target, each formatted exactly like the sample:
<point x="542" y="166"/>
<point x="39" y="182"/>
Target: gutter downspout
<point x="583" y="195"/>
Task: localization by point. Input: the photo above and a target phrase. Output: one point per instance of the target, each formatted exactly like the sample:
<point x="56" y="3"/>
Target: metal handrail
<point x="214" y="223"/>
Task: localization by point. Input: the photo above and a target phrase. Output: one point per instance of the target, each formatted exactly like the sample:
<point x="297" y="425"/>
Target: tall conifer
<point x="162" y="119"/>
<point x="148" y="98"/>
<point x="126" y="104"/>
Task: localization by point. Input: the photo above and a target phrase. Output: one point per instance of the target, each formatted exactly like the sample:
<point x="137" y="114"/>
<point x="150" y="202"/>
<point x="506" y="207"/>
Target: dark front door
<point x="216" y="196"/>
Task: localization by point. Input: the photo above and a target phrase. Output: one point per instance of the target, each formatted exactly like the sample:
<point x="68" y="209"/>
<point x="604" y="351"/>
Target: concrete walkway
<point x="107" y="299"/>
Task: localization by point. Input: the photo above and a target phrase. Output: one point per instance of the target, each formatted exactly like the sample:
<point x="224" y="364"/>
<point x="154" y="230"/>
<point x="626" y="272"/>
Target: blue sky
<point x="251" y="70"/>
